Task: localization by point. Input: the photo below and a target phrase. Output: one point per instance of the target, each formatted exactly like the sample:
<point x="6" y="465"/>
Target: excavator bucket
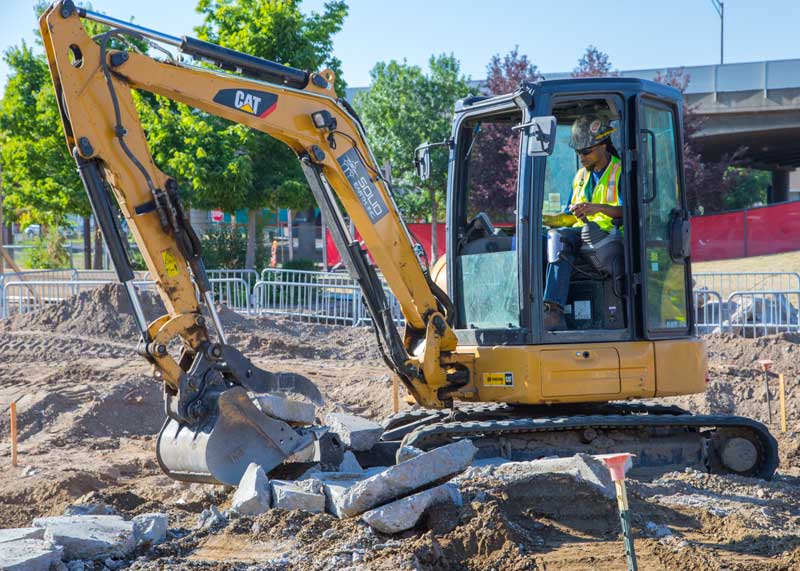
<point x="219" y="450"/>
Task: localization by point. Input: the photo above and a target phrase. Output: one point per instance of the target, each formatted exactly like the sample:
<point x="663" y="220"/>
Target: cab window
<point x="486" y="250"/>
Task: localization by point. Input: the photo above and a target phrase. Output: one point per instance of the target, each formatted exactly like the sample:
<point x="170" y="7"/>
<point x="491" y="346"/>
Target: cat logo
<point x="246" y="102"/>
<point x="258" y="103"/>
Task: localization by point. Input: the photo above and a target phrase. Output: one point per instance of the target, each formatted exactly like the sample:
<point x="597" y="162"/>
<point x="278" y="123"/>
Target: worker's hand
<point x="584" y="209"/>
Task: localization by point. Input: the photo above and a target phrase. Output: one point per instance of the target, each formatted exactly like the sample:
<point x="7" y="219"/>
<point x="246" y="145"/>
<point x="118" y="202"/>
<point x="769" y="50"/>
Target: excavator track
<point x="664" y="439"/>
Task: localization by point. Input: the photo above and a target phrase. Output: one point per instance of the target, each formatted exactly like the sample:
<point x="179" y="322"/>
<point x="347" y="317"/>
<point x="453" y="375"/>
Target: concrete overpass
<point x="754" y="105"/>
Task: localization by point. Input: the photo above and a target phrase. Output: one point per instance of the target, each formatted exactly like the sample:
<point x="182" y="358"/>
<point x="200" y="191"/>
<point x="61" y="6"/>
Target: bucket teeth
<point x="220" y="449"/>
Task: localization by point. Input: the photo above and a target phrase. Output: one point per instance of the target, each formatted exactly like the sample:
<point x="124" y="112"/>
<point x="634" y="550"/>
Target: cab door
<point x="663" y="223"/>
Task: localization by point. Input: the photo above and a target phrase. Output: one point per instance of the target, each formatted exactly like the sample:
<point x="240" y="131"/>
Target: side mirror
<point x="541" y="136"/>
<point x="422" y="157"/>
<point x="422" y="161"/>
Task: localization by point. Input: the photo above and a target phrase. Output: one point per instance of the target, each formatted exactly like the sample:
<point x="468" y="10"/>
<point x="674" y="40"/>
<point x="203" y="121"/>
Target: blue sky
<point x="637" y="34"/>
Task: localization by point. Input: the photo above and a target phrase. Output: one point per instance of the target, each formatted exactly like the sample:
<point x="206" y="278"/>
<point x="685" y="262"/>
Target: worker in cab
<point x="596" y="197"/>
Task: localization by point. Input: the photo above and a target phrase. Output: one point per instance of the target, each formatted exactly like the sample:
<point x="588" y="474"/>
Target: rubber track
<point x="406" y="416"/>
<point x="454" y="430"/>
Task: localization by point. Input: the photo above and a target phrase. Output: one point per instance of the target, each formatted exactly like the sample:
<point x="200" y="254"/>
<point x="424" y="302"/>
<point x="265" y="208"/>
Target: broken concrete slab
<point x="18" y="533"/>
<point x="350" y="463"/>
<point x="288" y="410"/>
<point x="356" y="432"/>
<point x="399" y="480"/>
<point x="29" y="555"/>
<point x="407" y="453"/>
<point x="253" y="496"/>
<point x="404" y="513"/>
<point x="582" y="467"/>
<point x="210" y="518"/>
<point x="150" y="528"/>
<point x="89" y="536"/>
<point x="293" y="496"/>
<point x="91" y="508"/>
<point x="335" y="484"/>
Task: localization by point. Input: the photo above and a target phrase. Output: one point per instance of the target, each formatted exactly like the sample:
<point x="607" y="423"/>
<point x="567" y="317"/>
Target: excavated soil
<point x="88" y="412"/>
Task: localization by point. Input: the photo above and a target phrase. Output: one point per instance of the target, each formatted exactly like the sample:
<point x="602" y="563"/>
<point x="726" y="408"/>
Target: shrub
<point x="226" y="248"/>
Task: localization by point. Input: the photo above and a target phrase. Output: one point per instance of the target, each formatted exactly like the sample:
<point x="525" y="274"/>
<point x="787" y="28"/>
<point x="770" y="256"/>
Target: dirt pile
<point x="736" y="381"/>
<point x="104" y="311"/>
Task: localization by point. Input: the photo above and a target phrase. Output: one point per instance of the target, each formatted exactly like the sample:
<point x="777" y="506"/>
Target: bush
<point x="226" y="248"/>
<point x="48" y="253"/>
<point x="302" y="264"/>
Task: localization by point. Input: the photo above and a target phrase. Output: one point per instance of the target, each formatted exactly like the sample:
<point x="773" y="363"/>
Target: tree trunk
<point x="97" y="259"/>
<point x="434" y="236"/>
<point x="252" y="228"/>
<point x="87" y="242"/>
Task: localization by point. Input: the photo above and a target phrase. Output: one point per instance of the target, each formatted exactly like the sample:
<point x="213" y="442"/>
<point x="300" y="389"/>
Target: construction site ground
<point x="88" y="413"/>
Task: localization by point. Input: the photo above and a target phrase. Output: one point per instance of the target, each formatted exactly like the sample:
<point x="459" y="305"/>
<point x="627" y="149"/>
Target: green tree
<point x="39" y="178"/>
<point x="403" y="108"/>
<point x="229" y="166"/>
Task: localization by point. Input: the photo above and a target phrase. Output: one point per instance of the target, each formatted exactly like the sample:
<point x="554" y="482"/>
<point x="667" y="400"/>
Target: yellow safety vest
<point x="605" y="192"/>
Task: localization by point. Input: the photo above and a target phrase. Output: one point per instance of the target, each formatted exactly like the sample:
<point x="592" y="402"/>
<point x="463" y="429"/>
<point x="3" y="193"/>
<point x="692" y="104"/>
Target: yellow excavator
<point x="474" y="353"/>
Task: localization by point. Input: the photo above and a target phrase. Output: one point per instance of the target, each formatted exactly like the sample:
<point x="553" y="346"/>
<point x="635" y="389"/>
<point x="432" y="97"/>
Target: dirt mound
<point x="104" y="311"/>
<point x="736" y="382"/>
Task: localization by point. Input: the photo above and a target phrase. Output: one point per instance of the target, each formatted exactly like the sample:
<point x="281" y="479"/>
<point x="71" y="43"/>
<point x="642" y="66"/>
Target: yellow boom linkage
<point x="206" y="384"/>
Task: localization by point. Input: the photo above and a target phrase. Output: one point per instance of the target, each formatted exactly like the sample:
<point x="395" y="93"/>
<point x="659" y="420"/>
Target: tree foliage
<point x="40" y="183"/>
<point x="230" y="166"/>
<point x="493" y="184"/>
<point x="594" y="63"/>
<point x="403" y="108"/>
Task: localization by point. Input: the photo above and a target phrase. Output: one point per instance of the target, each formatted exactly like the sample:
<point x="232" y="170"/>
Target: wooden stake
<point x="13" y="412"/>
<point x="782" y="388"/>
<point x="395" y="394"/>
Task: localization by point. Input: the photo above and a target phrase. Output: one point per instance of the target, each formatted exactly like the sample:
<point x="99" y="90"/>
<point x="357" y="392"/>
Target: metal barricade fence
<point x="233" y="292"/>
<point x="709" y="311"/>
<point x="40" y="275"/>
<point x="728" y="282"/>
<point x="250" y="277"/>
<point x="26" y="296"/>
<point x="314" y="296"/>
<point x="757" y="313"/>
<point x="323" y="297"/>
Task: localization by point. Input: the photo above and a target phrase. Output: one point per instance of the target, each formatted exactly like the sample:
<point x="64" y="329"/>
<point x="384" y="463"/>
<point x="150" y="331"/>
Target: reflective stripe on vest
<point x="605" y="192"/>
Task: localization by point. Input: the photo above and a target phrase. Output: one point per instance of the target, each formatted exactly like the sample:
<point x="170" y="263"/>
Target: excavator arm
<point x="206" y="382"/>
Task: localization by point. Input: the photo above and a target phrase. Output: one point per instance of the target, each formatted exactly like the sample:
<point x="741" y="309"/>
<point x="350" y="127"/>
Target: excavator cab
<point x="511" y="182"/>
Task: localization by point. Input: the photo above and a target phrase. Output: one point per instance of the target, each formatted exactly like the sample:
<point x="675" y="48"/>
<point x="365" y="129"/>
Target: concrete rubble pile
<point x="52" y="542"/>
<point x="390" y="499"/>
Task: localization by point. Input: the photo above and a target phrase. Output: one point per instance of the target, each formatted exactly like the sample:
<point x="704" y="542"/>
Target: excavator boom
<point x="206" y="382"/>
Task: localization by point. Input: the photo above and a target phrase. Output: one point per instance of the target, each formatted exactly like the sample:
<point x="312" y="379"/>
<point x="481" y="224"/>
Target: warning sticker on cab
<point x="498" y="379"/>
<point x="170" y="263"/>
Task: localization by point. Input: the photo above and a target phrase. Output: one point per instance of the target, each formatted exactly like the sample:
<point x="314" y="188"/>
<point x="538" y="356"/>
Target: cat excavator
<point x="474" y="355"/>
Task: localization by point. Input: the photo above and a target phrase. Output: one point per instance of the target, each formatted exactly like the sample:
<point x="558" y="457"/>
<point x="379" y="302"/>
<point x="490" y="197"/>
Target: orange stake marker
<point x="782" y="387"/>
<point x="13" y="413"/>
<point x="395" y="394"/>
<point x="617" y="464"/>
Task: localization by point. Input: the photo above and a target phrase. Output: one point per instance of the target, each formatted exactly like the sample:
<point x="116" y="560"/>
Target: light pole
<point x="719" y="6"/>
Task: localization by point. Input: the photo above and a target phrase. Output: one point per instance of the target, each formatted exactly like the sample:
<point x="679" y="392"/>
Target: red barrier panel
<point x="718" y="237"/>
<point x="753" y="232"/>
<point x="421" y="232"/>
<point x="773" y="229"/>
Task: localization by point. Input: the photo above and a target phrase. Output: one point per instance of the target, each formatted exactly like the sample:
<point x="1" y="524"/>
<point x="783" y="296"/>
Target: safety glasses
<point x="585" y="151"/>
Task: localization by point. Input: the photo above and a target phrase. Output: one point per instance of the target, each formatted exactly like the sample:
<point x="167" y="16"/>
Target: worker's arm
<point x="300" y="109"/>
<point x="583" y="209"/>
